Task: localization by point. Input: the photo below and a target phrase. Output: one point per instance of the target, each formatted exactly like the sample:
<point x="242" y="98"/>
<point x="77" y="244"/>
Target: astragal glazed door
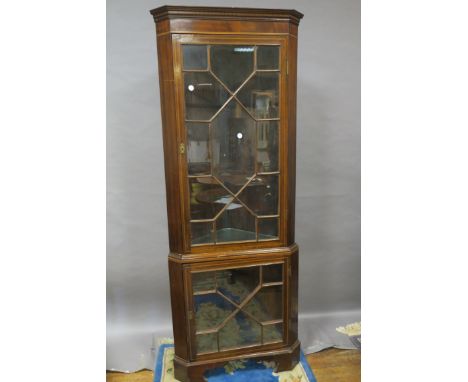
<point x="232" y="96"/>
<point x="237" y="307"/>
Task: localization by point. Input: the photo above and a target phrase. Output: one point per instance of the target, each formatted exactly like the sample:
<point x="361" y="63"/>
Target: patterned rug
<point x="236" y="371"/>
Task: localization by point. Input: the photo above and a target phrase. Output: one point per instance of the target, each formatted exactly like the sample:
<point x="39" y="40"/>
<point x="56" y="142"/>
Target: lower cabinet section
<point x="240" y="305"/>
<point x="236" y="306"/>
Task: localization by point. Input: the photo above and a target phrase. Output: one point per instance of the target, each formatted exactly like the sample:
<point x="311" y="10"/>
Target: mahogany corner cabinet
<point x="227" y="79"/>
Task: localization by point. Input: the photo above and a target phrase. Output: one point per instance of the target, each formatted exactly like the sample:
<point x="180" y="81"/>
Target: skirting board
<point x="133" y="350"/>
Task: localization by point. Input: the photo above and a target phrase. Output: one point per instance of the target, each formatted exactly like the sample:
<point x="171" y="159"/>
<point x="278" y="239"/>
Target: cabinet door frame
<point x="178" y="40"/>
<point x="189" y="269"/>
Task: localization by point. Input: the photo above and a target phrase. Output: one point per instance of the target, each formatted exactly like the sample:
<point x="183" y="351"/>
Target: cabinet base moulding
<point x="286" y="358"/>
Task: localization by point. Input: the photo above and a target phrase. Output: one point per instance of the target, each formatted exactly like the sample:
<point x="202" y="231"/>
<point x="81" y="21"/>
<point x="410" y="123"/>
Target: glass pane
<point x="235" y="224"/>
<point x="268" y="228"/>
<point x="272" y="333"/>
<point x="232" y="64"/>
<point x="267" y="57"/>
<point x="195" y="57"/>
<point x="267" y="146"/>
<point x="273" y="273"/>
<point x="210" y="311"/>
<point x="240" y="331"/>
<point x="267" y="304"/>
<point x="202" y="233"/>
<point x="233" y="146"/>
<point x="198" y="150"/>
<point x="260" y="95"/>
<point x="207" y="343"/>
<point x="237" y="284"/>
<point x="261" y="195"/>
<point x="203" y="281"/>
<point x="207" y="198"/>
<point x="204" y="96"/>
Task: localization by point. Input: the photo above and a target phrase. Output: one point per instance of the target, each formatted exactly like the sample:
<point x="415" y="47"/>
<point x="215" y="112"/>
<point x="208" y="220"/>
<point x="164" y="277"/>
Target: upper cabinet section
<point x="228" y="84"/>
<point x="183" y="19"/>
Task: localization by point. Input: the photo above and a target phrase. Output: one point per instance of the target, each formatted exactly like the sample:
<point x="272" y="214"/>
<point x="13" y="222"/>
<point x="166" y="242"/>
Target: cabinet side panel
<point x="179" y="317"/>
<point x="169" y="127"/>
<point x="293" y="297"/>
<point x="292" y="89"/>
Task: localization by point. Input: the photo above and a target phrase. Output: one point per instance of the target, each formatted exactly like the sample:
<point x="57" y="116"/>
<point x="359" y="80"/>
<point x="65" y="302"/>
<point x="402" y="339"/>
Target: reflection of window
<point x="262" y="101"/>
<point x="267" y="146"/>
<point x="262" y="144"/>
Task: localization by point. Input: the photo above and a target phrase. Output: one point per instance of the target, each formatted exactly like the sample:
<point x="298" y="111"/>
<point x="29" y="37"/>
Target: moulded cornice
<point x="226" y="13"/>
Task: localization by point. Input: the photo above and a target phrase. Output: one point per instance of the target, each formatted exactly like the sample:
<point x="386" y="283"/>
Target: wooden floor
<point x="335" y="365"/>
<point x="330" y="365"/>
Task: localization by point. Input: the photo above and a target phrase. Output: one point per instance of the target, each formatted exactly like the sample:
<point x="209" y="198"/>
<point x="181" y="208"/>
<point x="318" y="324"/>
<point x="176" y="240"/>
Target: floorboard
<point x="336" y="365"/>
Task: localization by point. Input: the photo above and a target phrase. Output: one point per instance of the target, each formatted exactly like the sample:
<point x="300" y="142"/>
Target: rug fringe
<point x="164" y="340"/>
<point x="353" y="329"/>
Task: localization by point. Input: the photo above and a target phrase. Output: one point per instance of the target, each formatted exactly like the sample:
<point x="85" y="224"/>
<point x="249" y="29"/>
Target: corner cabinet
<point x="228" y="102"/>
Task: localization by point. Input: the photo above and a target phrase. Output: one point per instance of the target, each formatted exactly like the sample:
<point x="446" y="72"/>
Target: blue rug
<point x="236" y="371"/>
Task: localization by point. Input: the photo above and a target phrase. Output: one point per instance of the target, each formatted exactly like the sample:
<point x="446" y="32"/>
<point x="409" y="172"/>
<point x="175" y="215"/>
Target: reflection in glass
<point x="233" y="146"/>
<point x="194" y="57"/>
<point x="202" y="233"/>
<point x="210" y="311"/>
<point x="267" y="146"/>
<point x="207" y="198"/>
<point x="267" y="57"/>
<point x="272" y="273"/>
<point x="203" y="281"/>
<point x="232" y="64"/>
<point x="268" y="228"/>
<point x="207" y="343"/>
<point x="235" y="224"/>
<point x="260" y="95"/>
<point x="272" y="333"/>
<point x="204" y="96"/>
<point x="220" y="316"/>
<point x="261" y="195"/>
<point x="237" y="284"/>
<point x="198" y="150"/>
<point x="267" y="304"/>
<point x="240" y="331"/>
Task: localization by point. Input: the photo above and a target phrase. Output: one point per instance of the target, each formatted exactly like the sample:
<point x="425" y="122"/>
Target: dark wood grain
<point x="171" y="157"/>
<point x="291" y="142"/>
<point x="225" y="13"/>
<point x="176" y="25"/>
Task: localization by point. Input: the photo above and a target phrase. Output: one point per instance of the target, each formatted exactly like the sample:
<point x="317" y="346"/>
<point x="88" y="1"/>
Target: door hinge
<point x="182" y="148"/>
<point x="287" y="67"/>
<point x="190" y="315"/>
